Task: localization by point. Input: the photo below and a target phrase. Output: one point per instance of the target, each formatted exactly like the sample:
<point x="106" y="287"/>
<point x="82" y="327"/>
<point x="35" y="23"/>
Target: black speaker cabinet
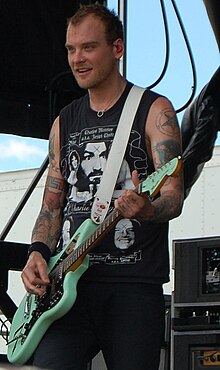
<point x="196" y="351"/>
<point x="197" y="270"/>
<point x="195" y="321"/>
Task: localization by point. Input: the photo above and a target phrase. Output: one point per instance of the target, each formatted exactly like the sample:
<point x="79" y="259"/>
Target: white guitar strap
<point x="104" y="194"/>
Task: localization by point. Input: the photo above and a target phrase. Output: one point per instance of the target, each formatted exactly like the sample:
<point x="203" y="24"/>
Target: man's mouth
<point x="82" y="71"/>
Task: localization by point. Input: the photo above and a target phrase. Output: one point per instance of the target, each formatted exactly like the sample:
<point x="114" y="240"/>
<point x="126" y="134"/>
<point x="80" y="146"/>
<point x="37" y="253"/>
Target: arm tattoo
<point x="164" y="151"/>
<point x="45" y="230"/>
<point x="55" y="199"/>
<point x="48" y="224"/>
<point x="53" y="161"/>
<point x="167" y="123"/>
<point x="55" y="183"/>
<point x="169" y="207"/>
<point x="52" y="200"/>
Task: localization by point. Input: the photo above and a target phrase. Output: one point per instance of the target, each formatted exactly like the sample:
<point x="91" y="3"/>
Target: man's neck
<point x="104" y="97"/>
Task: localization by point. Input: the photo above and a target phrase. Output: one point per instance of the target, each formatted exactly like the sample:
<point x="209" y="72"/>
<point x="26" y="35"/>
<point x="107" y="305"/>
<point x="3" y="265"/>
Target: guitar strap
<point x="104" y="194"/>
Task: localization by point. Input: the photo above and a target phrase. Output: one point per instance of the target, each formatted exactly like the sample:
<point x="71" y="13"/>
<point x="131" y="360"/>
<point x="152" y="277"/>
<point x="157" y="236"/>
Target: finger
<point x="135" y="178"/>
<point x="30" y="288"/>
<point x="42" y="276"/>
<point x="28" y="277"/>
<point x="37" y="290"/>
<point x="33" y="282"/>
<point x="39" y="267"/>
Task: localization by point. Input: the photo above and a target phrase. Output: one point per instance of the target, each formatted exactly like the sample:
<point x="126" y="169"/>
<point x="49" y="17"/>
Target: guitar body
<point x="35" y="314"/>
<point x="21" y="346"/>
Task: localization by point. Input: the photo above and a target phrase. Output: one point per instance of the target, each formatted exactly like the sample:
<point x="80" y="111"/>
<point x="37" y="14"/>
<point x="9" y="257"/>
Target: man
<point x="119" y="306"/>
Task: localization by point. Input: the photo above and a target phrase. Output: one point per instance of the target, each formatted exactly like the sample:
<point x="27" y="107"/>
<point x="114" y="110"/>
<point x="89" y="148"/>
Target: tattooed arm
<point x="48" y="224"/>
<point x="164" y="143"/>
<point x="162" y="136"/>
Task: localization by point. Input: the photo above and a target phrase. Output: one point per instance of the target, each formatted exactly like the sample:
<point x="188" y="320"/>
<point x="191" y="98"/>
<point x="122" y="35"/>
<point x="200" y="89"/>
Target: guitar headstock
<point x="155" y="181"/>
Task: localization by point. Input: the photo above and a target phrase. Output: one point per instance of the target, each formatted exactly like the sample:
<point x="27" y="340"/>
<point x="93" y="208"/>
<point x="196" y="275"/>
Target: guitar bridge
<point x="27" y="307"/>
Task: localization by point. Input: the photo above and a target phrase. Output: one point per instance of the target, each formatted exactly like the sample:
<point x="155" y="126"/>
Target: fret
<point x="99" y="232"/>
<point x="67" y="264"/>
<point x="84" y="246"/>
<point x="102" y="228"/>
<point x="72" y="257"/>
<point x="111" y="218"/>
<point x="79" y="250"/>
<point x="93" y="237"/>
<point x="76" y="254"/>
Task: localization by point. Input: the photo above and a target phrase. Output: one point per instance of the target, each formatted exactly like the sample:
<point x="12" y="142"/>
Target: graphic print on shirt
<point x="83" y="167"/>
<point x="124" y="238"/>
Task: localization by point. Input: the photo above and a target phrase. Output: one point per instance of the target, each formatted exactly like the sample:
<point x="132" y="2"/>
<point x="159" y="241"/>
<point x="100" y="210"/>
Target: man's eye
<point x="89" y="47"/>
<point x="71" y="50"/>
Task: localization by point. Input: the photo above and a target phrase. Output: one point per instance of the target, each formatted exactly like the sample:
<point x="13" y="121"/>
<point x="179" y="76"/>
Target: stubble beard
<point x="97" y="81"/>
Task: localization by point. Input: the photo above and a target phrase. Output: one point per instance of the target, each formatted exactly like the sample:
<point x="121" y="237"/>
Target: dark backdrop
<point x="35" y="79"/>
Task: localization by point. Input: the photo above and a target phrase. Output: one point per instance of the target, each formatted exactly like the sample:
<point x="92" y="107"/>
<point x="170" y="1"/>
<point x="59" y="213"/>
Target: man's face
<point x="124" y="234"/>
<point x="91" y="59"/>
<point x="94" y="160"/>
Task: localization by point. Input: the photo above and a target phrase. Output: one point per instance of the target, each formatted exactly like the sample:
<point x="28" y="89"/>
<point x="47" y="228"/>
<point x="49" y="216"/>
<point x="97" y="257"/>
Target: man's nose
<point x="78" y="57"/>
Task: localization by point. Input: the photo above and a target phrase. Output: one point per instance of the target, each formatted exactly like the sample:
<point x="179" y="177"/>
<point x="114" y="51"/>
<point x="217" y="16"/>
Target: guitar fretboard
<point x="92" y="240"/>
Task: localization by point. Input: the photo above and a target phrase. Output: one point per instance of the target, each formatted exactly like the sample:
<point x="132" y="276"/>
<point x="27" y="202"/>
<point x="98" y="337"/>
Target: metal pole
<point x="122" y="12"/>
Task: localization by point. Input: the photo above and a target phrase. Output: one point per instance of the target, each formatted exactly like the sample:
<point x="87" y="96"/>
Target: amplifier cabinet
<point x="196" y="264"/>
<point x="196" y="350"/>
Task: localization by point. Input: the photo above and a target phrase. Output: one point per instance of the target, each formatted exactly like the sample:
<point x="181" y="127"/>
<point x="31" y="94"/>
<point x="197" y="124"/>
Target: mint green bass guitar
<point x="35" y="314"/>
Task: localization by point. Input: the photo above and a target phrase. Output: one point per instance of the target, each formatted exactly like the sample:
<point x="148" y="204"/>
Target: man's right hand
<point x="34" y="275"/>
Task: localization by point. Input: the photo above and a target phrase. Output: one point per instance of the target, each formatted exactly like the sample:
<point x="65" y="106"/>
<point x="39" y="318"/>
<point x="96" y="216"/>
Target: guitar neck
<point x="93" y="239"/>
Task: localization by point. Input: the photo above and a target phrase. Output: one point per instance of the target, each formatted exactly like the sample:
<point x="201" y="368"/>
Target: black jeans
<point x="124" y="320"/>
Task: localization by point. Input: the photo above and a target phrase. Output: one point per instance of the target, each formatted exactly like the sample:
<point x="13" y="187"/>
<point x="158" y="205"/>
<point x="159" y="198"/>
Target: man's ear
<point x="118" y="48"/>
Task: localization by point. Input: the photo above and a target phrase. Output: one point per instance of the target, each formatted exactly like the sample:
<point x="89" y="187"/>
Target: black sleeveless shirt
<point x="133" y="251"/>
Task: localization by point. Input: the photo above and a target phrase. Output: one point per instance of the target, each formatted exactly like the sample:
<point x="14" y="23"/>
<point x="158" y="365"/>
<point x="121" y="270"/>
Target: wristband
<point x="42" y="248"/>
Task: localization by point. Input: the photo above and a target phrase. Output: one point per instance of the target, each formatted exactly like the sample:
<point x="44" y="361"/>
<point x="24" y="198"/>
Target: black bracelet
<point x="42" y="248"/>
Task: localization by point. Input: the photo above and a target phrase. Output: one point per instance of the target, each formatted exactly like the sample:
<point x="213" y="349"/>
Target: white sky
<point x="145" y="60"/>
